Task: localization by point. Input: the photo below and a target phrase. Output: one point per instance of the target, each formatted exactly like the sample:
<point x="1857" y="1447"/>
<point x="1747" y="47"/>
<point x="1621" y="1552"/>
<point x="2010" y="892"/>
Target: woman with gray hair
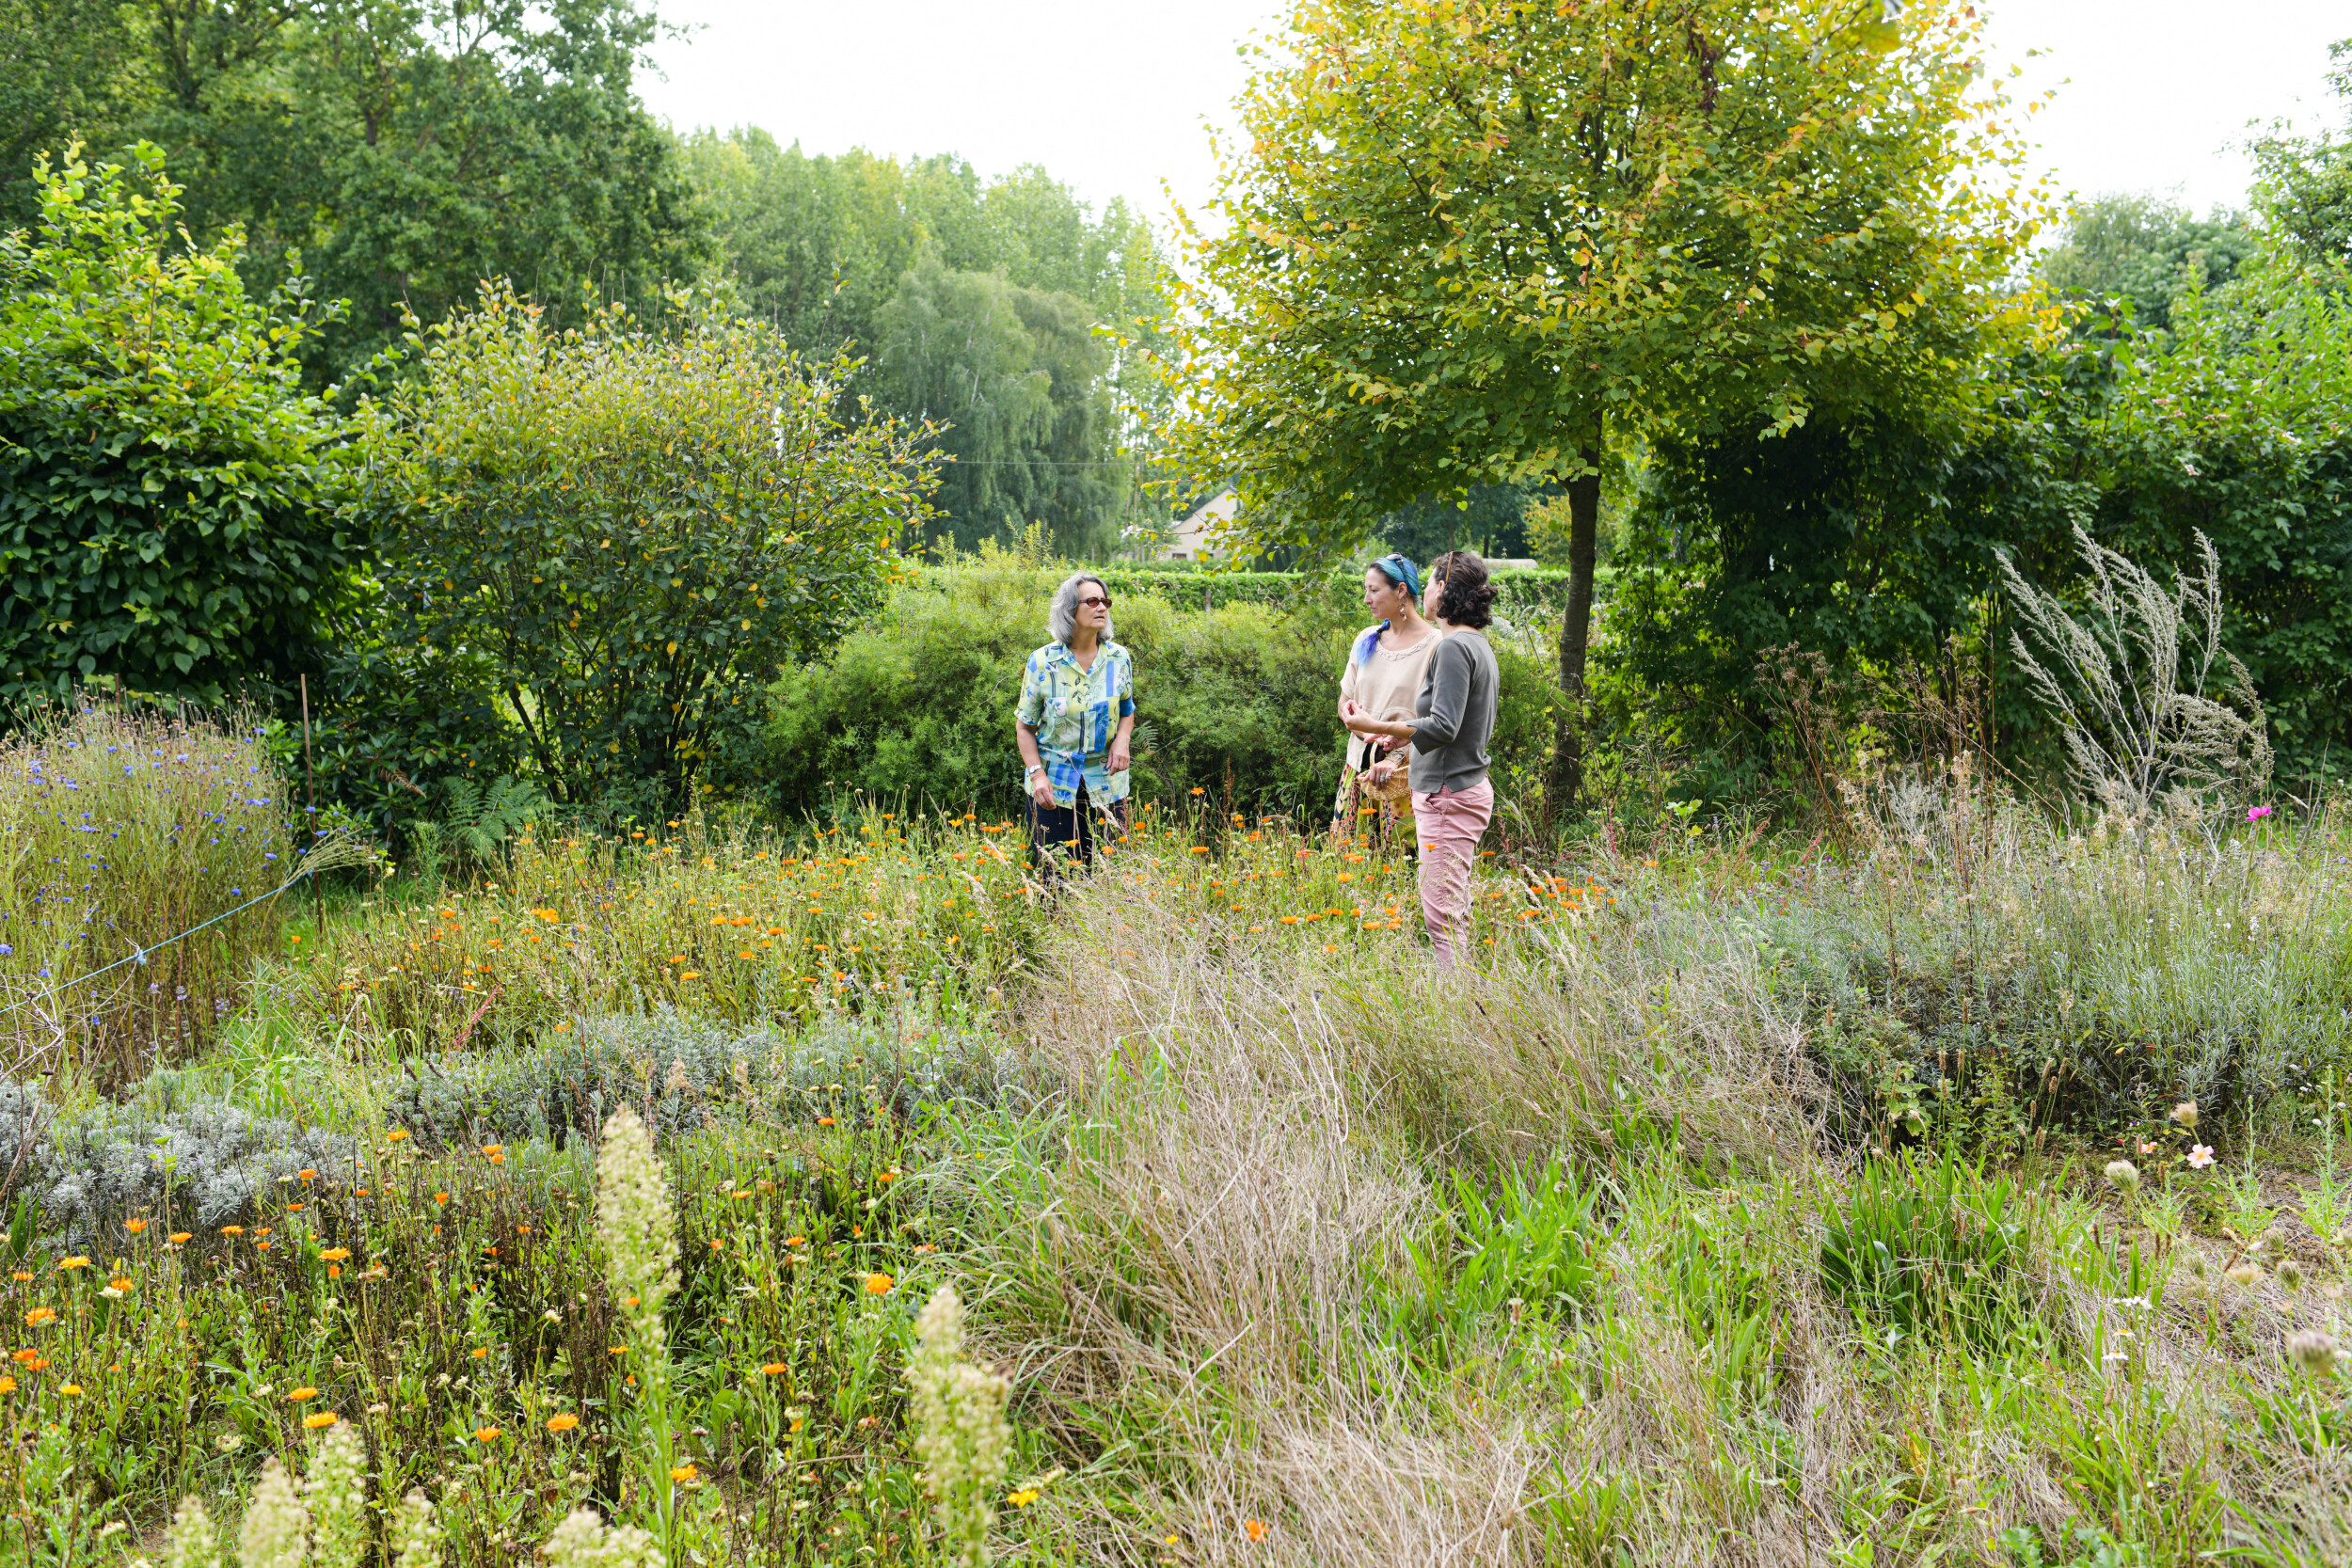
<point x="1074" y="722"/>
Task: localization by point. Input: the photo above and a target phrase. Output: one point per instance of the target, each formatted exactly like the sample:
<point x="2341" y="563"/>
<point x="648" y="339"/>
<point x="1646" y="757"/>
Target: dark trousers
<point x="1062" y="834"/>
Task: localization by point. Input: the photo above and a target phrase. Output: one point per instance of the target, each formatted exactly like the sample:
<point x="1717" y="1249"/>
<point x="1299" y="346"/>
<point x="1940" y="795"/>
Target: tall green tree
<point x="1008" y="308"/>
<point x="2146" y="252"/>
<point x="1457" y="239"/>
<point x="404" y="149"/>
<point x="171" y="500"/>
<point x="2304" y="183"/>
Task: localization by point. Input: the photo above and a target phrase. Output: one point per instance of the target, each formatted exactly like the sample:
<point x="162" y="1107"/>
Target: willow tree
<point x="1461" y="242"/>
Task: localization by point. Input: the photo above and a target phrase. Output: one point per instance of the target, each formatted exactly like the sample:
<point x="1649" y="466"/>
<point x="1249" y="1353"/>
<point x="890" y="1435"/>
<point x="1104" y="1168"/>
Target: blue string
<point x="138" y="954"/>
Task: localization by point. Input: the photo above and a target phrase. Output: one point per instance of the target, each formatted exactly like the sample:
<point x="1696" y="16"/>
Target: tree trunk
<point x="1576" y="629"/>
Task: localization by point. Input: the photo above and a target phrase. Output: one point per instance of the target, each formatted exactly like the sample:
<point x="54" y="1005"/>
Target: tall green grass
<point x="119" y="830"/>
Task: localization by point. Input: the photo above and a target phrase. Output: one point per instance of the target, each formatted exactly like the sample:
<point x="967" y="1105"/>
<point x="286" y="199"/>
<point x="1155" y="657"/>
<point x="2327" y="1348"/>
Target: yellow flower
<point x="76" y="1262"/>
<point x="321" y="1422"/>
<point x="1024" y="1497"/>
<point x="297" y="1396"/>
<point x="562" y="1423"/>
<point x="8" y="1386"/>
<point x="336" y="1254"/>
<point x="692" y="975"/>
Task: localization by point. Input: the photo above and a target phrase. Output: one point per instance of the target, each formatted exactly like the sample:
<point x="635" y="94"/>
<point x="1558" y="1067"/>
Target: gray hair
<point x="1062" y="619"/>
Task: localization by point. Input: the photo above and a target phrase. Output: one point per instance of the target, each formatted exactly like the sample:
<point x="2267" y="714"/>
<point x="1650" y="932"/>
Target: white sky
<point x="1112" y="96"/>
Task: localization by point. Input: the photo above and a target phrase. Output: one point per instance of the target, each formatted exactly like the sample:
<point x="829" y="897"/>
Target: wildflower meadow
<point x="1966" y="1189"/>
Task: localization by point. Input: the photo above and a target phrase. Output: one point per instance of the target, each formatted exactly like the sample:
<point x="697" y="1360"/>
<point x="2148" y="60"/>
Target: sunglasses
<point x="1094" y="599"/>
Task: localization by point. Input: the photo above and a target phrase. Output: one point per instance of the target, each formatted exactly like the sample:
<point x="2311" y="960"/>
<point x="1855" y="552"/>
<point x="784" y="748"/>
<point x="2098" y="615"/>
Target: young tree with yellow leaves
<point x="1466" y="241"/>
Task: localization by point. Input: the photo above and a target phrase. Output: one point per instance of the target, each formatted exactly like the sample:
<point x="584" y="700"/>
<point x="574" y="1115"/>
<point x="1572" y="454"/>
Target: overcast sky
<point x="1112" y="96"/>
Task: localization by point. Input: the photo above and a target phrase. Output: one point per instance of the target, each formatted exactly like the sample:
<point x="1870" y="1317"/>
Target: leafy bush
<point x="177" y="1165"/>
<point x="677" y="1071"/>
<point x="168" y="509"/>
<point x="123" y="831"/>
<point x="634" y="529"/>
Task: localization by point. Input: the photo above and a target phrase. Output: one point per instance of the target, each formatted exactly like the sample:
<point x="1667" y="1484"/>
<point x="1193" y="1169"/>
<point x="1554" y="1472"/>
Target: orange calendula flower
<point x="124" y="1284"/>
<point x="41" y="1315"/>
<point x="76" y="1262"/>
<point x="334" y="1270"/>
<point x="479" y="1351"/>
<point x="395" y="1134"/>
<point x="824" y="1121"/>
<point x="135" y="1226"/>
<point x="305" y="1175"/>
<point x="8" y="1386"/>
<point x="795" y="1241"/>
<point x="232" y="1229"/>
<point x="616" y="1350"/>
<point x="562" y="1423"/>
<point x="20" y="1274"/>
<point x="336" y="1254"/>
<point x="321" y="1422"/>
<point x="487" y="1434"/>
<point x="879" y="1284"/>
<point x="295" y="1396"/>
<point x="682" y="1473"/>
<point x="775" y="1368"/>
<point x="22" y="1356"/>
<point x="1256" y="1528"/>
<point x="493" y="1150"/>
<point x="178" y="1237"/>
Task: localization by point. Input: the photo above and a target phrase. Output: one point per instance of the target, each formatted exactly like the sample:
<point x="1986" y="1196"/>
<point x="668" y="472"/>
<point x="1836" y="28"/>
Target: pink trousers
<point x="1449" y="824"/>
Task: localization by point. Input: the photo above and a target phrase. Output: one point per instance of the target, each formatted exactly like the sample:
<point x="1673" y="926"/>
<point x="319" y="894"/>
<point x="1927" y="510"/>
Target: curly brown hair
<point x="1465" y="598"/>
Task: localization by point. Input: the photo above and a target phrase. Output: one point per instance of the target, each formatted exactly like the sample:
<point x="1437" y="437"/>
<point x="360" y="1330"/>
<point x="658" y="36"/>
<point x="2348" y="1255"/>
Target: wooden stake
<point x="318" y="893"/>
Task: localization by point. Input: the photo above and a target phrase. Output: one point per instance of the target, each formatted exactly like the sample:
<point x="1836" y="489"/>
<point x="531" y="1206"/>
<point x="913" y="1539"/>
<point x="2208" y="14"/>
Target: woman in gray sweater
<point x="1453" y="715"/>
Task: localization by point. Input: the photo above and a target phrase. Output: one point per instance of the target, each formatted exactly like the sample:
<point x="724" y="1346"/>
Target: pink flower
<point x="2201" y="1156"/>
<point x="2255" y="814"/>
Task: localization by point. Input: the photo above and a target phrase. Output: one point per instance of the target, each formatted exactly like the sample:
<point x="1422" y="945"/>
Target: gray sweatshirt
<point x="1454" y="714"/>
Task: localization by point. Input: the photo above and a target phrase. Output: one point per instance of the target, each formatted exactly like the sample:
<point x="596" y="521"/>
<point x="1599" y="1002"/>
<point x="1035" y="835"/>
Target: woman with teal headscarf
<point x="1385" y="664"/>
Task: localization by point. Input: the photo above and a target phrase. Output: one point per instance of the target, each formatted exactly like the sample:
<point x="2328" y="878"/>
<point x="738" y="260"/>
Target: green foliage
<point x="407" y="151"/>
<point x="1930" y="1248"/>
<point x="634" y="530"/>
<point x="169" y="496"/>
<point x="1530" y="1248"/>
<point x="1018" y="379"/>
<point x="475" y="823"/>
<point x="2144" y="251"/>
<point x="1008" y="308"/>
<point x="1239" y="701"/>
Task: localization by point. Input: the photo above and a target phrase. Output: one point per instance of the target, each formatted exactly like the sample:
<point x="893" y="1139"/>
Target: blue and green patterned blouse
<point x="1074" y="713"/>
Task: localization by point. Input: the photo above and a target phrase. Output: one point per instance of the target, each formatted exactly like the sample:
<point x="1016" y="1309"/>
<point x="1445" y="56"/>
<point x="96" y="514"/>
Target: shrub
<point x="168" y="511"/>
<point x="677" y="1071"/>
<point x="202" y="1163"/>
<point x="124" y="829"/>
<point x="635" y="528"/>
